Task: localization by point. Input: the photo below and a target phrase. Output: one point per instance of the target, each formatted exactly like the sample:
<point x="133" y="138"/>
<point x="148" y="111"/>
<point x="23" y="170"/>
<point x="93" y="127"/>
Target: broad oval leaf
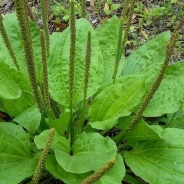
<point x="147" y="55"/>
<point x="86" y="149"/>
<point x="115" y="101"/>
<point x="15" y="154"/>
<point x="159" y="161"/>
<point x="13" y="31"/>
<point x="115" y="175"/>
<point x="58" y="142"/>
<point x="89" y="152"/>
<point x="108" y="34"/>
<point x="57" y="171"/>
<point x="170" y="94"/>
<point x="58" y="64"/>
<point x="29" y="119"/>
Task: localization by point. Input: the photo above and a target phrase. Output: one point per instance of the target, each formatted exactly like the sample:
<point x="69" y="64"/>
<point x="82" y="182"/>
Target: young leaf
<point x="29" y="119"/>
<point x="58" y="64"/>
<point x="147" y="55"/>
<point x="60" y="124"/>
<point x="15" y="154"/>
<point x="108" y="38"/>
<point x="159" y="161"/>
<point x="115" y="101"/>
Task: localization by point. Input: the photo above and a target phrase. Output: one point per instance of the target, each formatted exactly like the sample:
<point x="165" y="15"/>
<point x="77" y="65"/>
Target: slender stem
<point x="83" y="8"/>
<point x="118" y="52"/>
<point x="72" y="69"/>
<point x="7" y="43"/>
<point x="125" y="8"/>
<point x="43" y="157"/>
<point x="44" y="11"/>
<point x="44" y="71"/>
<point x="22" y="16"/>
<point x="99" y="173"/>
<point x="29" y="11"/>
<point x="127" y="29"/>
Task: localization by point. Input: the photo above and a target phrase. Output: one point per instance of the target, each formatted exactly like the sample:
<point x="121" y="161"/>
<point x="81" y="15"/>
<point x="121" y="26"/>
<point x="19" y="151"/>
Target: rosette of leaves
<point x="153" y="152"/>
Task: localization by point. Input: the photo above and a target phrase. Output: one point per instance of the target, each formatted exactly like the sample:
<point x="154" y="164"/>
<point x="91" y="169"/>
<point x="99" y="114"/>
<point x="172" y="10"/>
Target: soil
<point x="96" y="15"/>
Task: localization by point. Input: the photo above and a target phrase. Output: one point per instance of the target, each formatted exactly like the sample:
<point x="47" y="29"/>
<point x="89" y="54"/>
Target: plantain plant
<point x="80" y="112"/>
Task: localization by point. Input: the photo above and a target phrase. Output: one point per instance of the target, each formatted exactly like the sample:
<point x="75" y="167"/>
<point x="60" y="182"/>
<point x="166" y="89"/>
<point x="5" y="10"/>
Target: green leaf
<point x="115" y="101"/>
<point x="15" y="172"/>
<point x="16" y="159"/>
<point x="13" y="31"/>
<point x="175" y="69"/>
<point x="86" y="149"/>
<point x="142" y="131"/>
<point x="17" y="106"/>
<point x="29" y="119"/>
<point x="61" y="123"/>
<point x="147" y="55"/>
<point x="177" y="120"/>
<point x="168" y="98"/>
<point x="131" y="180"/>
<point x="57" y="171"/>
<point x="9" y="88"/>
<point x="159" y="161"/>
<point x="20" y="79"/>
<point x="58" y="64"/>
<point x="12" y="82"/>
<point x="150" y="73"/>
<point x="114" y="175"/>
<point x="58" y="142"/>
<point x="16" y="140"/>
<point x="54" y="38"/>
<point x="108" y="38"/>
<point x="115" y="6"/>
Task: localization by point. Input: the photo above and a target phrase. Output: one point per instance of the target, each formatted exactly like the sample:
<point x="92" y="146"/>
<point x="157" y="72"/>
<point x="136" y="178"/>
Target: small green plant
<point x="83" y="113"/>
<point x="60" y="9"/>
<point x="156" y="15"/>
<point x="109" y="7"/>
